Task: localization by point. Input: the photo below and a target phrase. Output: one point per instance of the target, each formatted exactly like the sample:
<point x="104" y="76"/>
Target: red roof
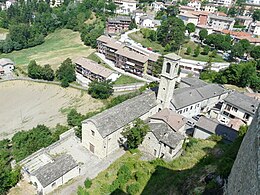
<point x="236" y="33"/>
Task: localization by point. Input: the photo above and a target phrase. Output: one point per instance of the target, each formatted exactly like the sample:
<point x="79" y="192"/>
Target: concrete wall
<point x="189" y="111"/>
<point x="198" y="133"/>
<point x="245" y="174"/>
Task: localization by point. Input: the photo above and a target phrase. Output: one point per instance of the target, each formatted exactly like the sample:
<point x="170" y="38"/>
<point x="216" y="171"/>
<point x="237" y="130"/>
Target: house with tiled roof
<point x="238" y="106"/>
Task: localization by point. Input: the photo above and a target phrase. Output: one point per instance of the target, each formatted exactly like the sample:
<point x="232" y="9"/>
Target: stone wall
<point x="245" y="174"/>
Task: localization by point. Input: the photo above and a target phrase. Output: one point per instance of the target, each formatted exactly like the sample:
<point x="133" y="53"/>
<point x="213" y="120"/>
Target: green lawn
<point x="57" y="47"/>
<point x="138" y="37"/>
<point x="200" y="57"/>
<point x="97" y="59"/>
<point x="124" y="79"/>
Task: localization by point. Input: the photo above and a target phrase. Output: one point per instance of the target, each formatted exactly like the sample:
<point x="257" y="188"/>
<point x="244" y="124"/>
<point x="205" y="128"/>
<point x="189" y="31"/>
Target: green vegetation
<point x="30" y="22"/>
<point x="256" y="15"/>
<point x="184" y="175"/>
<point x="190" y="27"/>
<point x="201" y="57"/>
<point x="97" y="59"/>
<point x="124" y="79"/>
<point x="8" y="177"/>
<point x="101" y="89"/>
<point x="135" y="134"/>
<point x="241" y="75"/>
<point x="36" y="71"/>
<point x="57" y="47"/>
<point x="171" y="33"/>
<point x="139" y="38"/>
<point x="66" y="73"/>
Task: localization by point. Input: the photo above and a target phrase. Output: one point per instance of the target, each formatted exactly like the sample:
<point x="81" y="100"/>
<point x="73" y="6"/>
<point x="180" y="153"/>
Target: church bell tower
<point x="168" y="79"/>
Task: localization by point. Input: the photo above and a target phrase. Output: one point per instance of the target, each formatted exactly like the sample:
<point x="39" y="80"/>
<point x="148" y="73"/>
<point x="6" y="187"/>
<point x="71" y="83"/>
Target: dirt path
<point x="26" y="104"/>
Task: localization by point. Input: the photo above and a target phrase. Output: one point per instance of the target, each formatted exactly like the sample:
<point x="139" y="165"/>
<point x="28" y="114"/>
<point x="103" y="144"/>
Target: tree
<point x="171" y="33"/>
<point x="132" y="25"/>
<point x="206" y="50"/>
<point x="47" y="73"/>
<point x="33" y="70"/>
<point x="197" y="51"/>
<point x="157" y="66"/>
<point x="66" y="72"/>
<point x="237" y="50"/>
<point x="135" y="135"/>
<point x="232" y="12"/>
<point x="255" y="53"/>
<point x="256" y="15"/>
<point x="101" y="90"/>
<point x="190" y="27"/>
<point x="203" y="34"/>
<point x="188" y="51"/>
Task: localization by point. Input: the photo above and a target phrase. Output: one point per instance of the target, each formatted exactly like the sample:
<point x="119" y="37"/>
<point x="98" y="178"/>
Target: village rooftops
<point x="252" y="40"/>
<point x="109" y="42"/>
<point x="132" y="55"/>
<point x="119" y="19"/>
<point x="223" y="18"/>
<point x="236" y="33"/>
<point x="54" y="170"/>
<point x="215" y="127"/>
<point x="188" y="15"/>
<point x="242" y="101"/>
<point x="190" y="95"/>
<point x="244" y="18"/>
<point x="164" y="134"/>
<point x="122" y="114"/>
<point x="174" y="120"/>
<point x="94" y="67"/>
<point x="193" y="82"/>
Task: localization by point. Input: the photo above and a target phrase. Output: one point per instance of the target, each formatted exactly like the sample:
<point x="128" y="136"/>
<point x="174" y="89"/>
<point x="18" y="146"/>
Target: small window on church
<point x="168" y="67"/>
<point x="92" y="133"/>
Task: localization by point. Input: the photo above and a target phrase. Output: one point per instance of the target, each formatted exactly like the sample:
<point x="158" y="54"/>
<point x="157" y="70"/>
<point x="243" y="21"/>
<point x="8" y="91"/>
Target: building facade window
<point x="170" y="151"/>
<point x="168" y="67"/>
<point x="92" y="133"/>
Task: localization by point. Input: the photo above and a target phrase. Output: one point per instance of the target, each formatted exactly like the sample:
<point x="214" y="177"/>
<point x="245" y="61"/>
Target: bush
<point x="82" y="191"/>
<point x="133" y="188"/>
<point x="224" y="166"/>
<point x="206" y="50"/>
<point x="190" y="142"/>
<point x="214" y="137"/>
<point x="140" y="176"/>
<point x="188" y="51"/>
<point x="64" y="83"/>
<point x="197" y="51"/>
<point x="88" y="183"/>
<point x="101" y="90"/>
<point x="211" y="185"/>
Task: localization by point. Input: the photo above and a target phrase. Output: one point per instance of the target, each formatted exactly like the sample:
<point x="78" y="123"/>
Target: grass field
<point x="138" y="37"/>
<point x="159" y="177"/>
<point x="97" y="59"/>
<point x="200" y="57"/>
<point x="124" y="79"/>
<point x="57" y="47"/>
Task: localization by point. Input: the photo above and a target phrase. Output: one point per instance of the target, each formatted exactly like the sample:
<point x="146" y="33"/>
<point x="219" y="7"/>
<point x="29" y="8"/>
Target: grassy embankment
<point x="184" y="175"/>
<point x="57" y="47"/>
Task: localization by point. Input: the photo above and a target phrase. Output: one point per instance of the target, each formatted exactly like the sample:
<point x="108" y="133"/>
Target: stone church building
<point x="101" y="134"/>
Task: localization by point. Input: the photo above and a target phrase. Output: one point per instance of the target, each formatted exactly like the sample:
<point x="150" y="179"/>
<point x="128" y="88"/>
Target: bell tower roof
<point x="172" y="56"/>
